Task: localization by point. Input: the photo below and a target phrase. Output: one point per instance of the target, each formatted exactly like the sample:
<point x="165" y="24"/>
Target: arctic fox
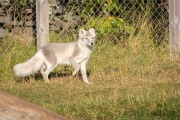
<point x="52" y="54"/>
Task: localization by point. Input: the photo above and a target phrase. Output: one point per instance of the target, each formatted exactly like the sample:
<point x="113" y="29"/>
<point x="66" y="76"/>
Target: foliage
<point x="18" y="3"/>
<point x="21" y="3"/>
<point x="113" y="6"/>
<point x="113" y="28"/>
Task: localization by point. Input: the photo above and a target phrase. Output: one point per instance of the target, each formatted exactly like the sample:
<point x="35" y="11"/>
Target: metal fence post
<point x="174" y="28"/>
<point x="42" y="22"/>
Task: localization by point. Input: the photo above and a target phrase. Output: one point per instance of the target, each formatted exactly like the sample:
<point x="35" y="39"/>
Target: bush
<point x="112" y="28"/>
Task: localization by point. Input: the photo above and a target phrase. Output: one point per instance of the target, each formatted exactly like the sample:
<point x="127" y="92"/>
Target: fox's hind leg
<point x="43" y="74"/>
<point x="49" y="68"/>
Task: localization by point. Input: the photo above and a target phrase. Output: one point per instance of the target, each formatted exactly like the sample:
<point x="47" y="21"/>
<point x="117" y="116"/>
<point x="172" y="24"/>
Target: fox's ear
<point x="81" y="32"/>
<point x="92" y="30"/>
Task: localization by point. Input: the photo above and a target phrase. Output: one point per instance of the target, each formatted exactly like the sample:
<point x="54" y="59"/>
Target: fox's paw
<point x="47" y="81"/>
<point x="89" y="82"/>
<point x="74" y="74"/>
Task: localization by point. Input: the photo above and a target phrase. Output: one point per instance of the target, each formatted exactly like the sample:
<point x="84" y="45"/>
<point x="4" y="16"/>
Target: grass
<point x="130" y="81"/>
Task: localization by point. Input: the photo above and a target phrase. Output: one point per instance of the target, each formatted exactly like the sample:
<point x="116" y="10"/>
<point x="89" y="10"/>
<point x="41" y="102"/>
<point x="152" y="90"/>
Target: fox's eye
<point x="93" y="38"/>
<point x="86" y="38"/>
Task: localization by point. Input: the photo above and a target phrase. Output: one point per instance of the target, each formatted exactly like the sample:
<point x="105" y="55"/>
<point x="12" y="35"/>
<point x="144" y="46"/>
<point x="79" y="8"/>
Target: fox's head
<point x="87" y="37"/>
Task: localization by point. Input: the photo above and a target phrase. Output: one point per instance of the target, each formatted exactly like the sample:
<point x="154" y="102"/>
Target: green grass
<point x="133" y="80"/>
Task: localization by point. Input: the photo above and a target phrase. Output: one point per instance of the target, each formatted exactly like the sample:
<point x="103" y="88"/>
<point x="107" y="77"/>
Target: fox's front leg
<point x="83" y="72"/>
<point x="76" y="66"/>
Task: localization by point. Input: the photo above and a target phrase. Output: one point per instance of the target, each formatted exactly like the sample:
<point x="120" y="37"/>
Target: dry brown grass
<point x="129" y="82"/>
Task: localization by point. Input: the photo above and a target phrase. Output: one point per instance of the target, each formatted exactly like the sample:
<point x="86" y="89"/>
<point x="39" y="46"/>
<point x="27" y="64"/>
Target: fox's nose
<point x="91" y="43"/>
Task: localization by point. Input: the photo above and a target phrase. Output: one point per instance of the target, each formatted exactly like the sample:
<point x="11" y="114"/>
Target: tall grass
<point x="133" y="80"/>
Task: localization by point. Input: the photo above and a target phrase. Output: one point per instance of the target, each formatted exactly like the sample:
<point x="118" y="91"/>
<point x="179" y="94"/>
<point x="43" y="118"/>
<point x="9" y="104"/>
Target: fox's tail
<point x="29" y="67"/>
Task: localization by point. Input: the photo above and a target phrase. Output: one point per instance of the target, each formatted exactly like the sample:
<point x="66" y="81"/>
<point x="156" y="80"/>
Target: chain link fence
<point x="114" y="20"/>
<point x="124" y="23"/>
<point x="17" y="18"/>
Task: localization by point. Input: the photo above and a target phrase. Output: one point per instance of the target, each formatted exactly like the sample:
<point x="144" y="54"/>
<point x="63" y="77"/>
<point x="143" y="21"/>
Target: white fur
<point x="52" y="54"/>
<point x="29" y="67"/>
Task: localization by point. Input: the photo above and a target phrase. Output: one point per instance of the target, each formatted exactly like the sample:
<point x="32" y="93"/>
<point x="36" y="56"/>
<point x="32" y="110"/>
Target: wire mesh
<point x="132" y="24"/>
<point x="114" y="20"/>
<point x="17" y="18"/>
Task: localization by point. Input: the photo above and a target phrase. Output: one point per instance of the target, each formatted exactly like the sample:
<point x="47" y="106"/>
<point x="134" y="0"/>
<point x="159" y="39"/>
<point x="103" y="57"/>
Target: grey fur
<point x="49" y="53"/>
<point x="76" y="50"/>
<point x="52" y="54"/>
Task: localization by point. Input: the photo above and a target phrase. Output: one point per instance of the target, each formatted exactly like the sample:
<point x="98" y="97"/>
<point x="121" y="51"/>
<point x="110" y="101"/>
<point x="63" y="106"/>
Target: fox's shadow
<point x="54" y="74"/>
